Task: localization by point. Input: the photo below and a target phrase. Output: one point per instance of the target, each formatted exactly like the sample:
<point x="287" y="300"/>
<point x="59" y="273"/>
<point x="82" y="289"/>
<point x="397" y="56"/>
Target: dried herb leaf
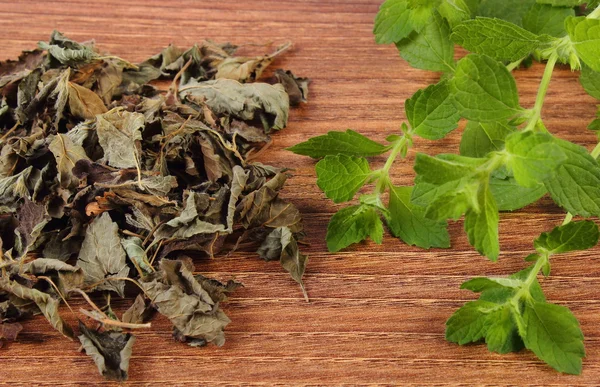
<point x="102" y="256"/>
<point x="67" y="154"/>
<point x="32" y="218"/>
<point x="119" y="135"/>
<point x="83" y="102"/>
<point x="181" y="298"/>
<point x="111" y="351"/>
<point x="280" y="244"/>
<point x="46" y="304"/>
<point x="244" y="101"/>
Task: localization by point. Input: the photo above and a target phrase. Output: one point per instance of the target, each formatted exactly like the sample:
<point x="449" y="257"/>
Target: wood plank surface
<point x="377" y="312"/>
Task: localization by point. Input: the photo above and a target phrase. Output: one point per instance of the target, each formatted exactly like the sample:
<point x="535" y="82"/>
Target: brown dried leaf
<point x="281" y="244"/>
<point x="244" y="101"/>
<point x="139" y="312"/>
<point x="14" y="70"/>
<point x="119" y="135"/>
<point x="102" y="256"/>
<point x="243" y="69"/>
<point x="110" y="350"/>
<point x="10" y="331"/>
<point x="46" y="304"/>
<point x="84" y="103"/>
<point x="32" y="218"/>
<point x="295" y="87"/>
<point x="67" y="154"/>
<point x="175" y="292"/>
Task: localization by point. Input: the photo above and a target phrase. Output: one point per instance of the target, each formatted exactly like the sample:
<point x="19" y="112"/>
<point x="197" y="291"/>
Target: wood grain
<point x="377" y="313"/>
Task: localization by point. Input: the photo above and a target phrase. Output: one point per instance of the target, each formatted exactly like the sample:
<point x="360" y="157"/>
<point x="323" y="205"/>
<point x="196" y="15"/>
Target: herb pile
<point x="507" y="159"/>
<point x="105" y="181"/>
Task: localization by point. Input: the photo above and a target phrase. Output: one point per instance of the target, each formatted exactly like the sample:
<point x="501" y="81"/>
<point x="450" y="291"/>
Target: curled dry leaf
<point x="111" y="351"/>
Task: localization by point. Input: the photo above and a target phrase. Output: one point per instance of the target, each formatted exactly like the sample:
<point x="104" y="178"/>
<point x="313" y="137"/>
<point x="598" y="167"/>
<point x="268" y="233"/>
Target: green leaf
<point x="576" y="182"/>
<point x="595" y="125"/>
<point x="511" y="196"/>
<point x="352" y="225"/>
<point x="347" y="143"/>
<point x="484" y="90"/>
<point x="408" y="222"/>
<point x="340" y="177"/>
<point x="569" y="237"/>
<point x="532" y="157"/>
<point x="446" y="185"/>
<point x="452" y="200"/>
<point x="590" y="80"/>
<point x="480" y="138"/>
<point x="473" y="5"/>
<point x="509" y="10"/>
<point x="535" y="290"/>
<point x="544" y="19"/>
<point x="469" y="324"/>
<point x="502" y="335"/>
<point x="444" y="168"/>
<point x="482" y="225"/>
<point x="553" y="334"/>
<point x="454" y="11"/>
<point x="430" y="49"/>
<point x="496" y="38"/>
<point x="481" y="284"/>
<point x="563" y="3"/>
<point x="421" y="12"/>
<point x="393" y="22"/>
<point x="431" y="112"/>
<point x="585" y="36"/>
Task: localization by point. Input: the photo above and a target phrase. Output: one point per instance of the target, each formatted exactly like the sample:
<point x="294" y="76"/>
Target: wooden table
<point x="377" y="313"/>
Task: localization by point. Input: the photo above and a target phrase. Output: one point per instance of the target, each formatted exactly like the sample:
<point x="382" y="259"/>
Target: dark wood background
<point x="377" y="313"/>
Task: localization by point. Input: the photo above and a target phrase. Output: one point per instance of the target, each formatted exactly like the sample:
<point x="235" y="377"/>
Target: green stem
<point x="596" y="151"/>
<point x="568" y="218"/>
<point x="595" y="14"/>
<point x="543" y="90"/>
<point x="398" y="147"/>
<point x="384" y="173"/>
<point x="513" y="65"/>
<point x="524" y="290"/>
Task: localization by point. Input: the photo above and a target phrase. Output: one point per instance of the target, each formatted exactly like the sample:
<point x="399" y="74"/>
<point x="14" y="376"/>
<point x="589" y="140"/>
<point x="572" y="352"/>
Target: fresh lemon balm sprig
<point x="507" y="159"/>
